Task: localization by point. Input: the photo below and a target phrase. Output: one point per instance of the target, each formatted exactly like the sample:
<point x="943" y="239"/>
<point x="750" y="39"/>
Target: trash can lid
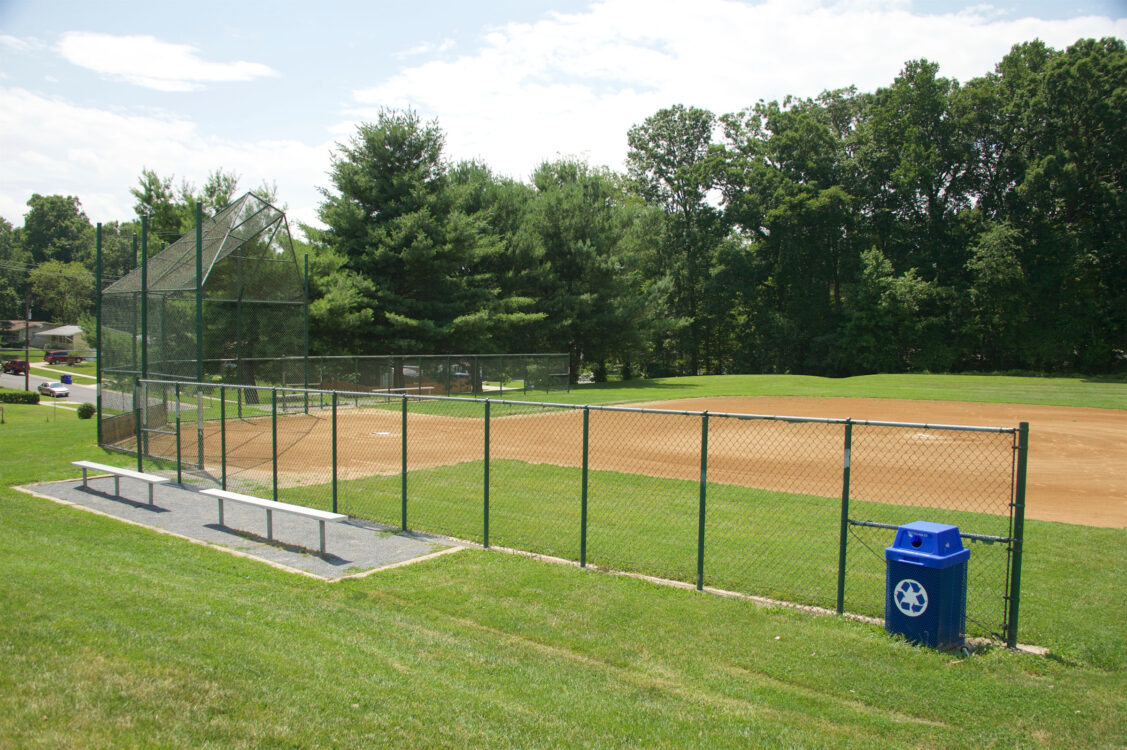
<point x="932" y="545"/>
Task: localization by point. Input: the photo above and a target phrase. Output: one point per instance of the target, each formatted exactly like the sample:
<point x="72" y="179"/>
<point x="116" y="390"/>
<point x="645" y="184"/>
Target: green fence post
<point x="305" y="343"/>
<point x="1018" y="533"/>
<point x="137" y="397"/>
<point x="334" y="452"/>
<point x="274" y="438"/>
<point x="703" y="490"/>
<point x="843" y="529"/>
<point x="403" y="472"/>
<point x="179" y="471"/>
<point x="485" y="488"/>
<point x="144" y="296"/>
<point x="98" y="327"/>
<point x="583" y="491"/>
<point x="223" y="436"/>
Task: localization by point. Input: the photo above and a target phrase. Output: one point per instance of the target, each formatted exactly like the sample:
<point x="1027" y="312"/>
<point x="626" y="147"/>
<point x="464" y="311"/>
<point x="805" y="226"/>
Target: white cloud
<point x="149" y="62"/>
<point x="55" y="147"/>
<point x="575" y="83"/>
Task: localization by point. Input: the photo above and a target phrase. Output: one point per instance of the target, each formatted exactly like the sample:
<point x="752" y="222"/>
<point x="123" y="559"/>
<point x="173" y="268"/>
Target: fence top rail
<point x="599" y="407"/>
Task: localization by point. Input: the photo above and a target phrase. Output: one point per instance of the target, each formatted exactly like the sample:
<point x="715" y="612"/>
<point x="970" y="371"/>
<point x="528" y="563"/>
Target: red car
<point x="60" y="356"/>
<point x="15" y="367"/>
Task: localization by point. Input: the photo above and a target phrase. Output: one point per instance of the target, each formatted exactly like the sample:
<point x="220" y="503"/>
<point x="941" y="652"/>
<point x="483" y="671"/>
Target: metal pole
<point x="334" y="431"/>
<point x="1018" y="533"/>
<point x="199" y="295"/>
<point x="703" y="491"/>
<point x="179" y="470"/>
<point x="274" y="437"/>
<point x="583" y="491"/>
<point x="137" y="397"/>
<point x="144" y="297"/>
<point x="133" y="363"/>
<point x="223" y="435"/>
<point x="199" y="332"/>
<point x="98" y="326"/>
<point x="305" y="345"/>
<point x="27" y="344"/>
<point x="403" y="471"/>
<point x="486" y="477"/>
<point x="843" y="529"/>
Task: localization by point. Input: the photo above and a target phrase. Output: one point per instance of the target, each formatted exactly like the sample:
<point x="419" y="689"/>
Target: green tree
<point x="56" y="228"/>
<point x="578" y="224"/>
<point x="62" y="291"/>
<point x="13" y="273"/>
<point x="425" y="264"/>
<point x="669" y="161"/>
<point x="998" y="297"/>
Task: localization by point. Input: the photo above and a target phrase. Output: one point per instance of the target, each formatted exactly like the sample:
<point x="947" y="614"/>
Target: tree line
<point x="929" y="225"/>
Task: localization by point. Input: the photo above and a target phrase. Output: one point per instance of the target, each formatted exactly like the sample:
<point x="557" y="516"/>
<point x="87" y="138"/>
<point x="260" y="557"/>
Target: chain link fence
<point x="790" y="508"/>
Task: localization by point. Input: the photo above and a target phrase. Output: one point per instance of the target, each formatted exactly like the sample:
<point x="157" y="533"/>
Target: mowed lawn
<point x="113" y="635"/>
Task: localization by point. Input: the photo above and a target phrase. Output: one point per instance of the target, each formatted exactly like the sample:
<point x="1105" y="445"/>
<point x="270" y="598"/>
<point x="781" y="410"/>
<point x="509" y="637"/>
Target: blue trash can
<point x="66" y="379"/>
<point x="926" y="585"/>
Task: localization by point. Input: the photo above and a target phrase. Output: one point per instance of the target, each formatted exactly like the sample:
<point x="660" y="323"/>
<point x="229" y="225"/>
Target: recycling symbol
<point x="910" y="597"/>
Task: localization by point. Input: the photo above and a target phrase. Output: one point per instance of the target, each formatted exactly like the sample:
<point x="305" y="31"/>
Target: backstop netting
<point x="206" y="308"/>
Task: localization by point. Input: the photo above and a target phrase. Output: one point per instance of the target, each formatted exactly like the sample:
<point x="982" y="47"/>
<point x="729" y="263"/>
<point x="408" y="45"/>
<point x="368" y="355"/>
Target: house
<point x="69" y="338"/>
<point x="12" y="331"/>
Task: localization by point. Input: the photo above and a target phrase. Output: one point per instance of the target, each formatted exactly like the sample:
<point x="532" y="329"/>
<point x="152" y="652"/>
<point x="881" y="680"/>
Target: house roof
<point x="62" y="331"/>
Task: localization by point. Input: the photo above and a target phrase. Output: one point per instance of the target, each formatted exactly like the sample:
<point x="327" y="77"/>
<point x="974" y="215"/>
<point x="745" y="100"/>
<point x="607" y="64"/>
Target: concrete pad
<point x="352" y="548"/>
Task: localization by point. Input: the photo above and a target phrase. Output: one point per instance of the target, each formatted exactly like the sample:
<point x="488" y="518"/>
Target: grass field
<point x="128" y="638"/>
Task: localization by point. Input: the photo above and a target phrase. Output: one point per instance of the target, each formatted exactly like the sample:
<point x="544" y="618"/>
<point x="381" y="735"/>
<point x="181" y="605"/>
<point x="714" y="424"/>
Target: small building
<point x="12" y="331"/>
<point x="69" y="338"/>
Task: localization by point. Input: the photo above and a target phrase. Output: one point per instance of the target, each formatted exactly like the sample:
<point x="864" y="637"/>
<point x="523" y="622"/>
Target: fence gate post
<point x="403" y="471"/>
<point x="703" y="490"/>
<point x="485" y="488"/>
<point x="274" y="437"/>
<point x="843" y="531"/>
<point x="179" y="471"/>
<point x="583" y="502"/>
<point x="138" y="396"/>
<point x="1017" y="534"/>
<point x="334" y="422"/>
<point x="223" y="435"/>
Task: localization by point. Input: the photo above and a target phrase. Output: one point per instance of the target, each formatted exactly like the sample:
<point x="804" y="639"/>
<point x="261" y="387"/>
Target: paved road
<point x="78" y="393"/>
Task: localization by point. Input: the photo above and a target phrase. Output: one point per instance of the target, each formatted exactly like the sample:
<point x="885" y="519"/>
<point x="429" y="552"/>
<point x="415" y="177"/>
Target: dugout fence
<point x="795" y="509"/>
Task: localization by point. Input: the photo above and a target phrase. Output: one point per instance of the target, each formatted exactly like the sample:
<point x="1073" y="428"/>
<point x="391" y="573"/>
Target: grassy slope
<point x="120" y="642"/>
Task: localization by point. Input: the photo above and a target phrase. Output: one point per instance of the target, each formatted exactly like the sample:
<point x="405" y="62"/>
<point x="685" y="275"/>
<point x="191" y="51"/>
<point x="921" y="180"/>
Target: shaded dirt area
<point x="1075" y="473"/>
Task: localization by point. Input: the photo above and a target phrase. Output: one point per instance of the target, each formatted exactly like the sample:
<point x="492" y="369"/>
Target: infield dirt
<point x="1076" y="458"/>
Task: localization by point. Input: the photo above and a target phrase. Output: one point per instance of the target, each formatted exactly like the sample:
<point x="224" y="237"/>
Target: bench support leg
<point x="220" y="510"/>
<point x="116" y="485"/>
<point x="150" y="493"/>
<point x="321" y="523"/>
<point x="84" y="478"/>
<point x="270" y="524"/>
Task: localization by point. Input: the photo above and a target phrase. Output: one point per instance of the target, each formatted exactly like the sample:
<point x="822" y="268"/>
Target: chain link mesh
<point x="519" y="475"/>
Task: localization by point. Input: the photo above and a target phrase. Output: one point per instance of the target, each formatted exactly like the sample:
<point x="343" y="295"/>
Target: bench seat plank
<point x="321" y="516"/>
<point x="118" y="472"/>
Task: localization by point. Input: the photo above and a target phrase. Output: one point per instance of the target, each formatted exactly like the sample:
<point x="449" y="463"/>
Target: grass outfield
<point x="1103" y="393"/>
<point x="127" y="637"/>
<point x="649" y="525"/>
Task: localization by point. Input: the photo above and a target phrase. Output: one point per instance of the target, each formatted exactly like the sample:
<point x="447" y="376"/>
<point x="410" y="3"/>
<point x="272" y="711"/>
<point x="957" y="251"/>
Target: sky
<point x="91" y="93"/>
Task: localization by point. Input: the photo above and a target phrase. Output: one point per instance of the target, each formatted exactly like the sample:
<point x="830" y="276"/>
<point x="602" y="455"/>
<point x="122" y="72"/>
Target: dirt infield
<point x="1075" y="464"/>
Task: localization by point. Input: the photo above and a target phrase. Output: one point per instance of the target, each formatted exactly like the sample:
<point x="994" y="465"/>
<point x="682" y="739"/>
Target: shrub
<point x="11" y="396"/>
<point x="85" y="411"/>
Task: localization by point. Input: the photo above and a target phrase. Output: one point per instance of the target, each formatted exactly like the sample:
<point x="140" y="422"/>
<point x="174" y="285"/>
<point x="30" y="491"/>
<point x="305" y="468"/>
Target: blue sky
<point x="92" y="92"/>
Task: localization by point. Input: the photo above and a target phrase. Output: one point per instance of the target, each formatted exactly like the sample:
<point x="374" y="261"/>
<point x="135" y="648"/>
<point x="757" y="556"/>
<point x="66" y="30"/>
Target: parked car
<point x="15" y="366"/>
<point x="54" y="390"/>
<point x="60" y="356"/>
